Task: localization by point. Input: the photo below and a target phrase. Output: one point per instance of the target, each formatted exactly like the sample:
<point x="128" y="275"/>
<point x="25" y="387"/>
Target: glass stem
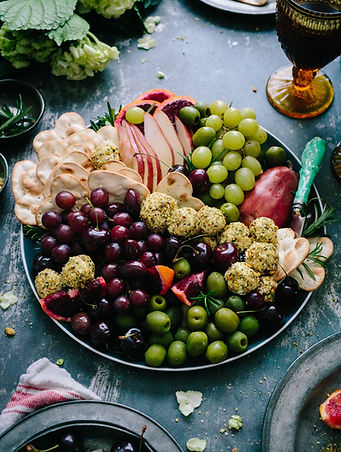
<point x="301" y="84"/>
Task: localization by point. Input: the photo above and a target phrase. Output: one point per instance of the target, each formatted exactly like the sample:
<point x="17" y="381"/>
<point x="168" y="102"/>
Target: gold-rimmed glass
<point x="310" y="35"/>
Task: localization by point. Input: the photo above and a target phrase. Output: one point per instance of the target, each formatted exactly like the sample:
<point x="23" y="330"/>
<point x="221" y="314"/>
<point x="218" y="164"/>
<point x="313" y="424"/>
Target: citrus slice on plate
<point x="330" y="410"/>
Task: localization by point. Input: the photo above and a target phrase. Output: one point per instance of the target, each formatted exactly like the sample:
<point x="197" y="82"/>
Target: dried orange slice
<point x="330" y="410"/>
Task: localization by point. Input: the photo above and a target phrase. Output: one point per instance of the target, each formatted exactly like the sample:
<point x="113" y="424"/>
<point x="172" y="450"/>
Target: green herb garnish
<point x="106" y="120"/>
<point x="325" y="217"/>
<point x="207" y="300"/>
<point x="316" y="257"/>
<point x="33" y="232"/>
<point x="14" y="120"/>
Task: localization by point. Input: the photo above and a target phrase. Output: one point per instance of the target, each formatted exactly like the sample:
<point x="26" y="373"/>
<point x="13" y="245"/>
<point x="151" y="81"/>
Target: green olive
<point x="164" y="340"/>
<point x="237" y="342"/>
<point x="155" y="355"/>
<point x="226" y="320"/>
<point x="157" y="303"/>
<point x="197" y="343"/>
<point x="196" y="318"/>
<point x="216" y="283"/>
<point x="189" y="116"/>
<point x="158" y="322"/>
<point x="181" y="268"/>
<point x="175" y="314"/>
<point x="275" y="156"/>
<point x="249" y="325"/>
<point x="216" y="352"/>
<point x="203" y="108"/>
<point x="213" y="333"/>
<point x="124" y="322"/>
<point x="177" y="353"/>
<point x="182" y="334"/>
<point x="236" y="303"/>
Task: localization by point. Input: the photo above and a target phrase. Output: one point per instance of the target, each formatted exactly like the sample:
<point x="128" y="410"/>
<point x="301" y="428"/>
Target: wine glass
<point x="310" y="35"/>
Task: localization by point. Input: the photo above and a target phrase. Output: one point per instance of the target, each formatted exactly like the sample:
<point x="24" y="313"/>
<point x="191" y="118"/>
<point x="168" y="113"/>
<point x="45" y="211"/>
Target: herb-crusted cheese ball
<point x="238" y="234"/>
<point x="262" y="257"/>
<point x="184" y="222"/>
<point x="263" y="229"/>
<point x="48" y="282"/>
<point x="157" y="210"/>
<point x="241" y="279"/>
<point x="267" y="287"/>
<point x="104" y="153"/>
<point x="211" y="220"/>
<point x="78" y="271"/>
<point x="210" y="241"/>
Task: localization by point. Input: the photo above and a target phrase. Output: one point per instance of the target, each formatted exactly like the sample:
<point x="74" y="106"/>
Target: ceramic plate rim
<point x="243" y="8"/>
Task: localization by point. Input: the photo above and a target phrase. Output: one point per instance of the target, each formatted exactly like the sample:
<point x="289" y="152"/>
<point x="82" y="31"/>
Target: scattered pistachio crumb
<point x="60" y="362"/>
<point x="143" y="60"/>
<point x="235" y="422"/>
<point x="146" y="43"/>
<point x="176" y="419"/>
<point x="10" y="331"/>
<point x="160" y="75"/>
<point x="254" y="89"/>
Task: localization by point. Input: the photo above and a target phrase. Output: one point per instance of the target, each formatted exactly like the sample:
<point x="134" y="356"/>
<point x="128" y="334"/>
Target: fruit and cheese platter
<point x="174" y="235"/>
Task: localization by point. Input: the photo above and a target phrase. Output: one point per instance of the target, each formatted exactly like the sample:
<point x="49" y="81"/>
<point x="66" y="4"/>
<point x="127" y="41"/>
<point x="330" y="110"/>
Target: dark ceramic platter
<point x="29" y="249"/>
<point x="100" y="424"/>
<point x="292" y="422"/>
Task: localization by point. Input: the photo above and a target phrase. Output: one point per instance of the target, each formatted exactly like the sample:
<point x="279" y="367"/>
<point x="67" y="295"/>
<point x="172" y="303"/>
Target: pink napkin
<point x="44" y="383"/>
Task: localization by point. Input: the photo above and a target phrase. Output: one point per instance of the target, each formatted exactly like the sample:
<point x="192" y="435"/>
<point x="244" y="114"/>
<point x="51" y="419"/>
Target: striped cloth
<point x="44" y="383"/>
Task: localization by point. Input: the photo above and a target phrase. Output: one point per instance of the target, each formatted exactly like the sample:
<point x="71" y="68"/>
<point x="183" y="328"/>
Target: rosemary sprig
<point x="207" y="300"/>
<point x="327" y="216"/>
<point x="188" y="162"/>
<point x="16" y="119"/>
<point x="107" y="119"/>
<point x="316" y="257"/>
<point x="33" y="232"/>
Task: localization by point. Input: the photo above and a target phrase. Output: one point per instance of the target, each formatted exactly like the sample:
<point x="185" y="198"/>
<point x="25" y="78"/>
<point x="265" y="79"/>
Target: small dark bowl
<point x="3" y="172"/>
<point x="9" y="92"/>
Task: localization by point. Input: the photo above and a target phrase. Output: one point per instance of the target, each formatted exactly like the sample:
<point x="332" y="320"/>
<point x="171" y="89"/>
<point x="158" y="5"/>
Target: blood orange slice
<point x="330" y="410"/>
<point x="62" y="305"/>
<point x="173" y="105"/>
<point x="161" y="278"/>
<point x="157" y="94"/>
<point x="189" y="287"/>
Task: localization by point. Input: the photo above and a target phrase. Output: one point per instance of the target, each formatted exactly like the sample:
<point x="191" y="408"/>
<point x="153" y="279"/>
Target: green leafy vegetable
<point x="14" y="120"/>
<point x="33" y="232"/>
<point x="36" y="14"/>
<point x="8" y="299"/>
<point x="207" y="300"/>
<point x="326" y="216"/>
<point x="75" y="28"/>
<point x="107" y="119"/>
<point x="108" y="8"/>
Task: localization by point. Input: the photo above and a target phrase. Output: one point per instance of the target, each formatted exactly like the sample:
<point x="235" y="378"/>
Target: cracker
<point x="292" y="251"/>
<point x="116" y="185"/>
<point x="179" y="187"/>
<point x="20" y="168"/>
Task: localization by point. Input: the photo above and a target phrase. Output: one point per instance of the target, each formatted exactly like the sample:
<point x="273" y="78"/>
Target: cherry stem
<point x="144" y="428"/>
<point x="31" y="448"/>
<point x="183" y="246"/>
<point x="128" y="335"/>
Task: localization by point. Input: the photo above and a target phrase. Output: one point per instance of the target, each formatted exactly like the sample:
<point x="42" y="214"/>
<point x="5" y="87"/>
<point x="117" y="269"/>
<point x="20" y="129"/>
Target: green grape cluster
<point x="107" y="8"/>
<point x="227" y="144"/>
<point x="83" y="59"/>
<point x="23" y="47"/>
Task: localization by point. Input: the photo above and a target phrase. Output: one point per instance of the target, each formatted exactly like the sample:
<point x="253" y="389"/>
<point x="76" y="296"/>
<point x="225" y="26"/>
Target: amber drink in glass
<point x="310" y="35"/>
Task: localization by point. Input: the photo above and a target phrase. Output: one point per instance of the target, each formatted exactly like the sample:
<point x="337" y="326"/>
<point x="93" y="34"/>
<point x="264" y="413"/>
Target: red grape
<point x="155" y="242"/>
<point x="139" y="298"/>
<point x="138" y="230"/>
<point x="99" y="197"/>
<point x="199" y="180"/>
<point x="46" y="244"/>
<point x="115" y="288"/>
<point x="120" y="233"/>
<point x="121" y="304"/>
<point x="65" y="200"/>
<point x="81" y="323"/>
<point x="61" y="253"/>
<point x="51" y="220"/>
<point x="64" y="234"/>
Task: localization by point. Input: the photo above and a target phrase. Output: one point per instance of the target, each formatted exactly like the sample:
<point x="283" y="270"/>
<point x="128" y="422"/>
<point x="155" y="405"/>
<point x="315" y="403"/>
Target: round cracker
<point x="179" y="187"/>
<point x="20" y="168"/>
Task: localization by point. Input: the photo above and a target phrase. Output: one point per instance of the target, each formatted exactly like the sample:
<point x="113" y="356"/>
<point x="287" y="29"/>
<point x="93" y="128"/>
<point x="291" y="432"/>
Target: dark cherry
<point x="199" y="180"/>
<point x="96" y="215"/>
<point x="65" y="200"/>
<point x="287" y="290"/>
<point x="138" y="230"/>
<point x="121" y="304"/>
<point x="148" y="259"/>
<point x="120" y="233"/>
<point x="132" y="270"/>
<point x="132" y="203"/>
<point x="124" y="446"/>
<point x="71" y="215"/>
<point x="201" y="256"/>
<point x="143" y="246"/>
<point x="155" y="242"/>
<point x="131" y="249"/>
<point x="102" y="334"/>
<point x="179" y="169"/>
<point x="61" y="253"/>
<point x="95" y="237"/>
<point x="64" y="234"/>
<point x="46" y="244"/>
<point x="85" y="208"/>
<point x="133" y="343"/>
<point x="77" y="222"/>
<point x="81" y="323"/>
<point x="41" y="262"/>
<point x="225" y="255"/>
<point x="159" y="258"/>
<point x="171" y="246"/>
<point x="112" y="252"/>
<point x="115" y="288"/>
<point x="102" y="310"/>
<point x="114" y="208"/>
<point x="254" y="300"/>
<point x="109" y="271"/>
<point x="65" y="215"/>
<point x="51" y="220"/>
<point x="99" y="197"/>
<point x="272" y="317"/>
<point x="139" y="298"/>
<point x="123" y="219"/>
